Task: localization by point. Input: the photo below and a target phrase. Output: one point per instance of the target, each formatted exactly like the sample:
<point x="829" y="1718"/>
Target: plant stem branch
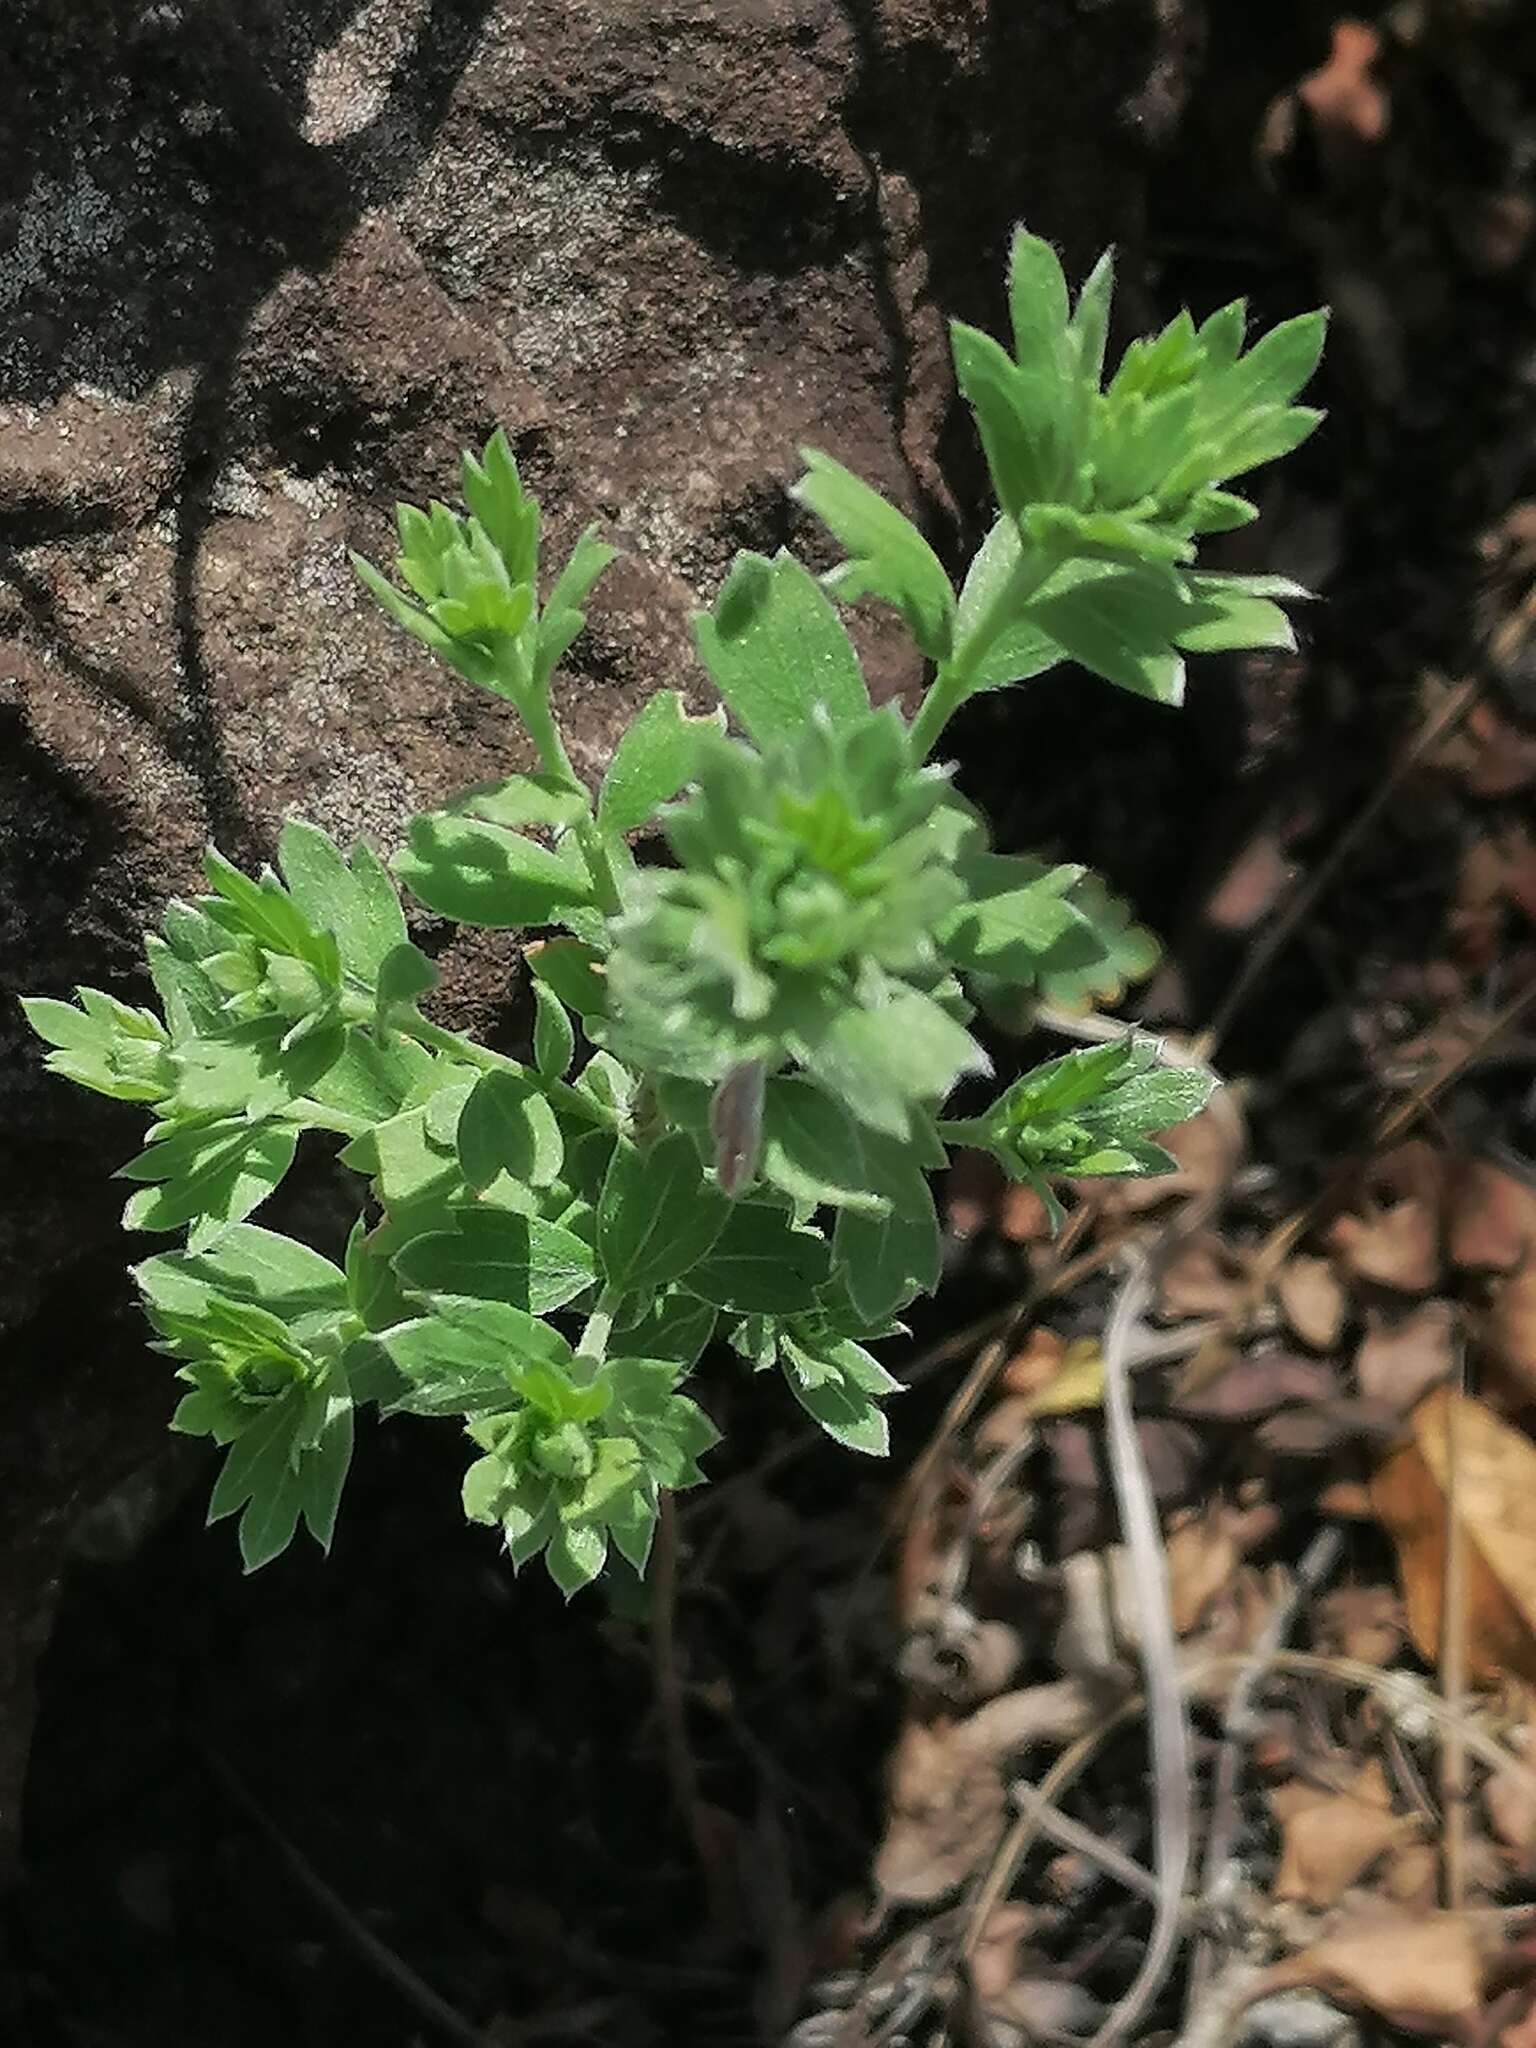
<point x="956" y="678"/>
<point x="575" y="1101"/>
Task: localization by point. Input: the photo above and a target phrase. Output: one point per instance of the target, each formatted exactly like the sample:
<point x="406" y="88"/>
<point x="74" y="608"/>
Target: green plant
<point x="769" y="1028"/>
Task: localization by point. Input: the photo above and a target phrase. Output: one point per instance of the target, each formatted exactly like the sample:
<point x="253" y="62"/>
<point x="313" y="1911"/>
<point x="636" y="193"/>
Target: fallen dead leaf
<point x="1492" y="755"/>
<point x="1253" y="883"/>
<point x="1312" y="1300"/>
<point x="1342" y="95"/>
<point x="1259" y="1383"/>
<point x="1393" y="1237"/>
<point x="1399" y="1360"/>
<point x="1411" y="1875"/>
<point x="1204" y="1552"/>
<point x="1509" y="1327"/>
<point x="948" y="1797"/>
<point x="1496" y="1501"/>
<point x="1490" y="1217"/>
<point x="1422" y="1971"/>
<point x="1510" y="1800"/>
<point x="1361" y="1622"/>
<point x="1396" y="1247"/>
<point x="1331" y="1838"/>
<point x="1035" y="1364"/>
<point x="1204" y="1278"/>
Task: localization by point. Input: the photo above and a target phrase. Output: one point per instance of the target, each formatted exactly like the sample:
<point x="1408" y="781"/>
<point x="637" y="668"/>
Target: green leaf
<point x="1119" y="622"/>
<point x="496" y="1255"/>
<point x="676" y="1327"/>
<point x="881" y="1061"/>
<point x="285" y="1277"/>
<point x="658" y="1216"/>
<point x="519" y="800"/>
<point x="1273" y="370"/>
<point x="776" y="649"/>
<point x="479" y="874"/>
<point x="1015" y="910"/>
<point x="573" y="972"/>
<point x="554" y="1042"/>
<point x="887" y="556"/>
<point x="355" y="902"/>
<point x="1037" y="304"/>
<point x="405" y="974"/>
<point x="654" y="759"/>
<point x="812" y="1149"/>
<point x="209" y="1175"/>
<point x="1100" y="955"/>
<point x="761" y="1264"/>
<point x="465" y="1357"/>
<point x="576" y="1555"/>
<point x="564" y="615"/>
<point x="1018" y="648"/>
<point x="1090" y="322"/>
<point x="1237" y="611"/>
<point x="888" y="1259"/>
<point x="836" y="1381"/>
<point x="507" y="1126"/>
<point x="1019" y="416"/>
<point x="404" y="1158"/>
<point x="494" y="493"/>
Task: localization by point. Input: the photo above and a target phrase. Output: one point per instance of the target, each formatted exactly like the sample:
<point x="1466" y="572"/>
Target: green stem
<point x="320" y="1116"/>
<point x="956" y="677"/>
<point x="533" y="706"/>
<point x="560" y="1094"/>
<point x="592" y="1348"/>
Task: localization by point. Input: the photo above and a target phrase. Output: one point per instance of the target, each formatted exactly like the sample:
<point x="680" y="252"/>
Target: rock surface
<point x="266" y="265"/>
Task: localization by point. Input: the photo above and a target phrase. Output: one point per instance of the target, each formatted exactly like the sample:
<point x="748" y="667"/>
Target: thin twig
<point x="1169" y="1727"/>
<point x="1316" y="1564"/>
<point x="380" y="1958"/>
<point x="1307" y="893"/>
<point x="682" y="1773"/>
<point x="1071" y="1834"/>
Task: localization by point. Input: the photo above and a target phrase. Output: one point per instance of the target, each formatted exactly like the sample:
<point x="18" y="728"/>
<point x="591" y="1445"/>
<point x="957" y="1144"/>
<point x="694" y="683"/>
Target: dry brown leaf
<point x="1204" y="1552"/>
<point x="995" y="1958"/>
<point x="1510" y="1801"/>
<point x="1034" y="1364"/>
<point x="1396" y="1247"/>
<point x="1400" y="1360"/>
<point x="1490" y="1217"/>
<point x="1361" y="1622"/>
<point x="1257" y="1384"/>
<point x="1411" y="1875"/>
<point x="1342" y="95"/>
<point x="1509" y="1328"/>
<point x="1496" y="1502"/>
<point x="1312" y="1300"/>
<point x="1331" y="1838"/>
<point x="947" y="1786"/>
<point x="1422" y="1971"/>
<point x="1022" y="1217"/>
<point x="1393" y="1236"/>
<point x="1204" y="1278"/>
<point x="1254" y="881"/>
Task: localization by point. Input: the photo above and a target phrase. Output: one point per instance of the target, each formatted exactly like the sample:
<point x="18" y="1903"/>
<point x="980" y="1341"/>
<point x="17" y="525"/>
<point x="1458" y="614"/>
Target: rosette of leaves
<point x="573" y="1452"/>
<point x="1105" y="491"/>
<point x="801" y="921"/>
<point x="264" y="1334"/>
<point x="1087" y="1114"/>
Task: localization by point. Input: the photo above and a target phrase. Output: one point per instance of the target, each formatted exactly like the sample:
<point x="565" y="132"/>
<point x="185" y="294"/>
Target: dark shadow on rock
<point x="162" y="197"/>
